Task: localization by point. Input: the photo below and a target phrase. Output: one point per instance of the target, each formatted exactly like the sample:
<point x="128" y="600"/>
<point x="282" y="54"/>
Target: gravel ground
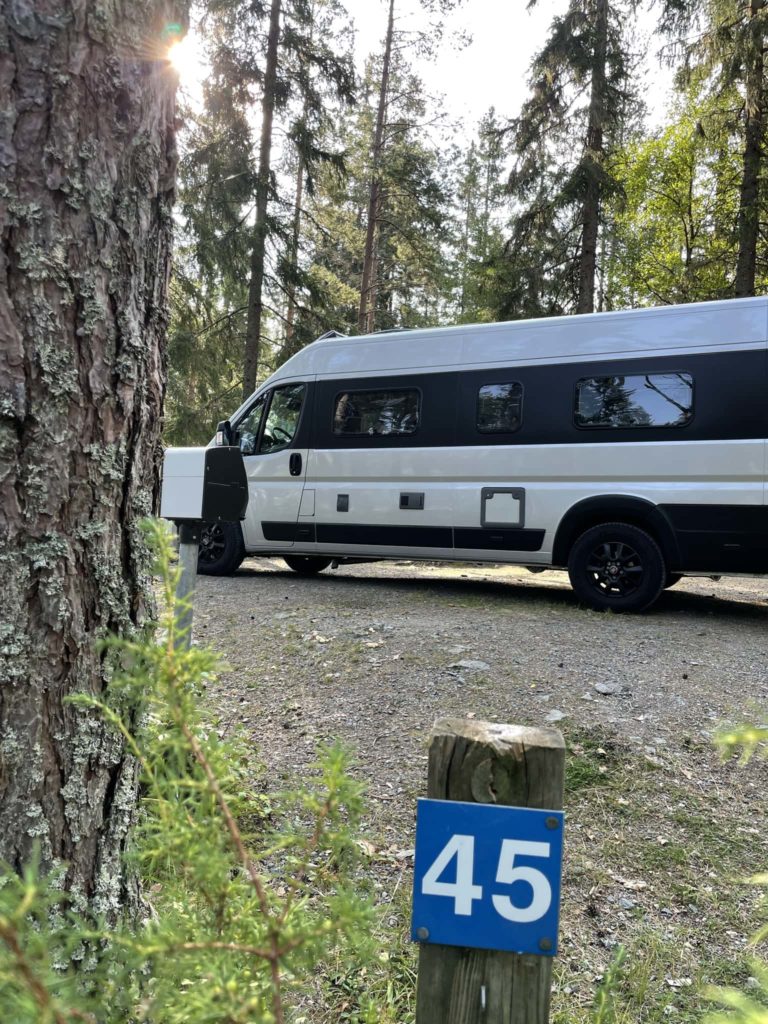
<point x="372" y="654"/>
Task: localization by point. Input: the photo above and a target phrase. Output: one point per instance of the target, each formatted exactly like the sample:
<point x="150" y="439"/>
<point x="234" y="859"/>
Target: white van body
<point x="655" y="418"/>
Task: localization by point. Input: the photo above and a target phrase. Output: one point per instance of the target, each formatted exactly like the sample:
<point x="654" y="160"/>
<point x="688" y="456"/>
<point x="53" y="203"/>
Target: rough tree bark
<point x="595" y="152"/>
<point x="748" y="225"/>
<point x="366" y="318"/>
<point x="256" y="284"/>
<point x="87" y="168"/>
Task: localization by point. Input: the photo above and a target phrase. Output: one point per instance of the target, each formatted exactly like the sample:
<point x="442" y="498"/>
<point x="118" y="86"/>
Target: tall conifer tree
<point x="581" y="103"/>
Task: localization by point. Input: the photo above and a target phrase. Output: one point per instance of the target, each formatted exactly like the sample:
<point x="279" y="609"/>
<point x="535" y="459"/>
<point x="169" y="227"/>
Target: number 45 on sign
<point x="487" y="876"/>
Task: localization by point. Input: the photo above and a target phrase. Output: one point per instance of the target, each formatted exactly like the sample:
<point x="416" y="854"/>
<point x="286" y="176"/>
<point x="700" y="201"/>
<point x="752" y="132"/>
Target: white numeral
<point x="463" y="891"/>
<point x="541" y="890"/>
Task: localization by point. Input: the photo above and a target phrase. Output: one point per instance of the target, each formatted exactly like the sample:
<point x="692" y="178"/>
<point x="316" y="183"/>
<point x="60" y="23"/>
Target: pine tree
<point x="387" y="126"/>
<point x="730" y="51"/>
<point x="413" y="236"/>
<point x="581" y="104"/>
<point x="481" y="207"/>
<point x="281" y="57"/>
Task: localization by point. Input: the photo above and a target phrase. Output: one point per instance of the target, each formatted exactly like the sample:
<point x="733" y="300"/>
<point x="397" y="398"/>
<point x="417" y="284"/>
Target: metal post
<point x="189" y="540"/>
<point x="479" y="762"/>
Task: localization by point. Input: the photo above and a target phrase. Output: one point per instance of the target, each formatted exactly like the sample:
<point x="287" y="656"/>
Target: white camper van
<point x="629" y="448"/>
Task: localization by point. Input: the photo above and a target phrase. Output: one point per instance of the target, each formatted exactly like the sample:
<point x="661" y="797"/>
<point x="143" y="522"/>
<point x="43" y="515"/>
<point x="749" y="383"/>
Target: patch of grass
<point x="656" y="854"/>
<point x="382" y="992"/>
<point x="592" y="761"/>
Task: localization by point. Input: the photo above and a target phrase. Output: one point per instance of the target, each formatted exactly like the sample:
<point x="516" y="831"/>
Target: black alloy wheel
<point x="617" y="566"/>
<point x="306" y="565"/>
<point x="221" y="549"/>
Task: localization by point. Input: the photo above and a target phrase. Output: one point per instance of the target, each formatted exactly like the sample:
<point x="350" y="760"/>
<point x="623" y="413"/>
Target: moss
<point x="55" y="361"/>
<point x="108" y="461"/>
<point x="44" y="264"/>
<point x="14" y="655"/>
<point x="93" y="311"/>
<point x="7" y="406"/>
<point x="113" y="603"/>
<point x="45" y="557"/>
<point x="37" y="826"/>
<point x="35" y="490"/>
<point x="48" y="551"/>
<point x="95" y="528"/>
<point x="19" y="212"/>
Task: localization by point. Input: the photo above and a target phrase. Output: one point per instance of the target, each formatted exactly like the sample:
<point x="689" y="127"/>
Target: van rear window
<point x="391" y="411"/>
<point x="500" y="408"/>
<point x="636" y="400"/>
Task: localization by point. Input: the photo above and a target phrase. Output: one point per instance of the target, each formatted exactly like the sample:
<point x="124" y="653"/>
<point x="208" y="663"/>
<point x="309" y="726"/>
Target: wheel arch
<point x="611" y="508"/>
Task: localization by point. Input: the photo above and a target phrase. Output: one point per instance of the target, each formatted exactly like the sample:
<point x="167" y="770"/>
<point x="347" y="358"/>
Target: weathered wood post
<point x="189" y="542"/>
<point x="479" y="762"/>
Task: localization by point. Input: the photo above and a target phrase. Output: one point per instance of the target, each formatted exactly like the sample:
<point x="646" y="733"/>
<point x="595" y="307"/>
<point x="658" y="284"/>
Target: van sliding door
<point x="379" y="471"/>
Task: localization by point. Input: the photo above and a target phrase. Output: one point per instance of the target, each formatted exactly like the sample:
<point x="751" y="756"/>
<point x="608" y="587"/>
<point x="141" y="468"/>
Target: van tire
<point x="221" y="549"/>
<point x="306" y="565"/>
<point x="617" y="566"/>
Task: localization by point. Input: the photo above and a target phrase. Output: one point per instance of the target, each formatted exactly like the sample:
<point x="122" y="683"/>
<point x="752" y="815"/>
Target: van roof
<point x="701" y="326"/>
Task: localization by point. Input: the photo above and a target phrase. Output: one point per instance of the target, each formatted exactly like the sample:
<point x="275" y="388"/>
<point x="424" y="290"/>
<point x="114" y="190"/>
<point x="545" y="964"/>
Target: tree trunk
<point x="290" y="312"/>
<point x="366" y="319"/>
<point x="256" y="284"/>
<point x="593" y="160"/>
<point x="87" y="150"/>
<point x="749" y="193"/>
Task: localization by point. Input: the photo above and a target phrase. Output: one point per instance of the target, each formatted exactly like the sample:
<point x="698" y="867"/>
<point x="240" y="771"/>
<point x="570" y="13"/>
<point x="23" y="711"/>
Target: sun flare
<point x="186" y="56"/>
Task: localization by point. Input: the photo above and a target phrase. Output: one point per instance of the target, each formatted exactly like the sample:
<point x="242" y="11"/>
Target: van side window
<point x="393" y="412"/>
<point x="248" y="428"/>
<point x="282" y="418"/>
<point x="499" y="408"/>
<point x="636" y="400"/>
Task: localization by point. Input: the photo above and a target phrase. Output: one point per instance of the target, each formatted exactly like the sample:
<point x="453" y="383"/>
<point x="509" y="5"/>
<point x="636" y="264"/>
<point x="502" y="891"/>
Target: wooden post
<point x="480" y="762"/>
<point x="189" y="541"/>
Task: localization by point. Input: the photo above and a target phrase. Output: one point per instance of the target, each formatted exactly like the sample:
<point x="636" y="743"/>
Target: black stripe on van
<point x="404" y="536"/>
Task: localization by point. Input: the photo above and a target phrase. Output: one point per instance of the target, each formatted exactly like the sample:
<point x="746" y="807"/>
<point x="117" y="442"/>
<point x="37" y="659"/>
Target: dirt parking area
<point x="660" y="831"/>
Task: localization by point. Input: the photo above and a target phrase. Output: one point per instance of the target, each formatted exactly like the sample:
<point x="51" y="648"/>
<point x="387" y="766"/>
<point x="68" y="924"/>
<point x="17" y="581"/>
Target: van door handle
<point x="294" y="464"/>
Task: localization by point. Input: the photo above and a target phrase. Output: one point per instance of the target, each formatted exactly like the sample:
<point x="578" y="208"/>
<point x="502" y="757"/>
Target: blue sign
<point x="487" y="876"/>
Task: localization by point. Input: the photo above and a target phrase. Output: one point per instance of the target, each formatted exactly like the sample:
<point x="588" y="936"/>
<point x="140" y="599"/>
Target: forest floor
<point x="661" y="833"/>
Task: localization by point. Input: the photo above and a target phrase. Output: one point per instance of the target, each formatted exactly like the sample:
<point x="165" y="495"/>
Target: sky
<point x="493" y="69"/>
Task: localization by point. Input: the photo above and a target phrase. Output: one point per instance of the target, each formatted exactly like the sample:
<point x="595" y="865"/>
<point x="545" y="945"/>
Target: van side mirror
<point x="224" y="434"/>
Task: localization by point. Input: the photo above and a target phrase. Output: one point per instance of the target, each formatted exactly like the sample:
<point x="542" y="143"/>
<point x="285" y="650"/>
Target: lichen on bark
<point x="87" y="162"/>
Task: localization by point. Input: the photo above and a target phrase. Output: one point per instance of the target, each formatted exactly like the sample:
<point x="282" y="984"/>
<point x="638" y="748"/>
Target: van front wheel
<point x="221" y="549"/>
<point x="617" y="566"/>
<point x="306" y="565"/>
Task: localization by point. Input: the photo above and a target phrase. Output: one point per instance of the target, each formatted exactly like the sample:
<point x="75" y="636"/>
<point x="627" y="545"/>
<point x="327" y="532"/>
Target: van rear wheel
<point x="306" y="565"/>
<point x="617" y="566"/>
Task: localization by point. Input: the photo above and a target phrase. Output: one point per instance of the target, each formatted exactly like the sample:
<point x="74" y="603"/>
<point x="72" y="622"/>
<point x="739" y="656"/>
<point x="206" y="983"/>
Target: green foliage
<point x="604" y="1010"/>
<point x="245" y="894"/>
<point x="743" y="1008"/>
<point x="414" y="238"/>
<point x="218" y="182"/>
